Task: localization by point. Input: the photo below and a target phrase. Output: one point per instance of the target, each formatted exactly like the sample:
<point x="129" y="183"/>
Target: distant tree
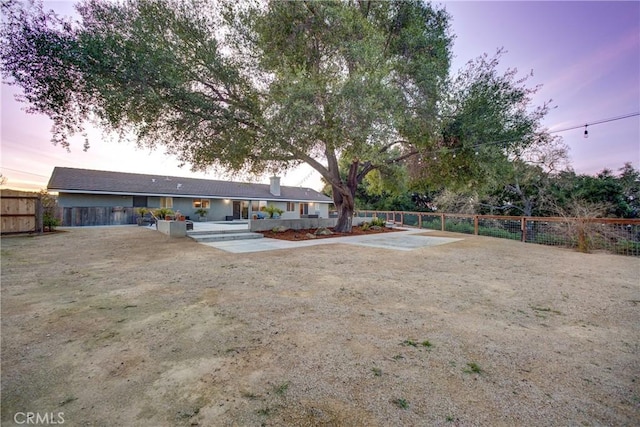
<point x="242" y="86"/>
<point x="524" y="183"/>
<point x="604" y="190"/>
<point x="3" y="179"/>
<point x="629" y="178"/>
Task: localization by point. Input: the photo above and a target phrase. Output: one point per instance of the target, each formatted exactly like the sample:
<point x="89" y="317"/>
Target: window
<point x="201" y="203"/>
<point x="304" y="208"/>
<point x="166" y="202"/>
<point x="291" y="207"/>
<point x="140" y="202"/>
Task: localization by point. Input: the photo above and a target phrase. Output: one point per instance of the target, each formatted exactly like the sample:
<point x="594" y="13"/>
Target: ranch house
<point x="93" y="197"/>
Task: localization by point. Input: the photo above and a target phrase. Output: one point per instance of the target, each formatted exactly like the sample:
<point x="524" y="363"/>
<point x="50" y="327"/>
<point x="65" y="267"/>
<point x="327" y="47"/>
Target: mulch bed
<point x="297" y="235"/>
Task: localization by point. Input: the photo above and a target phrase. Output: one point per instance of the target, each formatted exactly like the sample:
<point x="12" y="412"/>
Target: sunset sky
<point x="585" y="54"/>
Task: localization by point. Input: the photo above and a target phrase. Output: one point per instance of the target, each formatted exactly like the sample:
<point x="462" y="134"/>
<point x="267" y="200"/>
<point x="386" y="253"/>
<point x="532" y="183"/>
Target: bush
<point x="378" y="221"/>
<point x="49" y="221"/>
<point x="271" y="210"/>
<point x="162" y="213"/>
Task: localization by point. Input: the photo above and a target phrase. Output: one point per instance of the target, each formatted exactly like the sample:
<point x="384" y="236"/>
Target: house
<point x="92" y="197"/>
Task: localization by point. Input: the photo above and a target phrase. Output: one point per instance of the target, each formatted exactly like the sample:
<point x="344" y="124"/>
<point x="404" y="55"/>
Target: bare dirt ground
<point x="123" y="326"/>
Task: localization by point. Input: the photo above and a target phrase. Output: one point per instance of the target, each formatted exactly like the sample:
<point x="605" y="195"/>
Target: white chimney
<point x="274" y="187"/>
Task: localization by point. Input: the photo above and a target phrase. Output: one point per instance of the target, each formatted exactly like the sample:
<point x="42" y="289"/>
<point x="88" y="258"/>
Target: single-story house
<point x="92" y="197"/>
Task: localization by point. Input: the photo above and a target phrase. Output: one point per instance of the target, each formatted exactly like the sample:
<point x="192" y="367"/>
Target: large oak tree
<point x="245" y="87"/>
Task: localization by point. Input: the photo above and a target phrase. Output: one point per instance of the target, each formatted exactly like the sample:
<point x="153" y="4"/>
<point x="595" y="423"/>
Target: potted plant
<point x="163" y="213"/>
<point x="141" y="213"/>
<point x="202" y="214"/>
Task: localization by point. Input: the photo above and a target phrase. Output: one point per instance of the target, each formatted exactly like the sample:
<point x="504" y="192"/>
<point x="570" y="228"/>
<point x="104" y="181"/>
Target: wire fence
<point x="615" y="235"/>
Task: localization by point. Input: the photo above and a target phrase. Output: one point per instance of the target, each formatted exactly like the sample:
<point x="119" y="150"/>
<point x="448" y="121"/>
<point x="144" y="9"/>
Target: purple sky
<point x="585" y="54"/>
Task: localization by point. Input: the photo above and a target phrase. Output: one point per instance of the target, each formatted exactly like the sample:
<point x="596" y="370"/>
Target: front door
<point x="237" y="208"/>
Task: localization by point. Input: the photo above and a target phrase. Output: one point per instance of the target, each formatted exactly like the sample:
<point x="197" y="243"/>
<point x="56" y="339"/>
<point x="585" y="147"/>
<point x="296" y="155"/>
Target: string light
<point x="586" y="132"/>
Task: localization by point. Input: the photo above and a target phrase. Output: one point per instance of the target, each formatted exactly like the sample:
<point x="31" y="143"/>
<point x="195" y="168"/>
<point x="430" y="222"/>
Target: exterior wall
<point x="153" y="202"/>
<point x="71" y="200"/>
<point x="219" y="209"/>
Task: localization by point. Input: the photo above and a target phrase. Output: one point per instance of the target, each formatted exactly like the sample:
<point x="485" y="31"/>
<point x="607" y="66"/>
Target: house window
<point x="291" y="207"/>
<point x="166" y="202"/>
<point x="304" y="208"/>
<point x="201" y="203"/>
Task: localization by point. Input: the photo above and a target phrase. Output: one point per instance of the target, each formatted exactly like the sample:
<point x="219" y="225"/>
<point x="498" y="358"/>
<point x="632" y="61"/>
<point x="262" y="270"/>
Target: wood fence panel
<point x="20" y="212"/>
<point x="100" y="215"/>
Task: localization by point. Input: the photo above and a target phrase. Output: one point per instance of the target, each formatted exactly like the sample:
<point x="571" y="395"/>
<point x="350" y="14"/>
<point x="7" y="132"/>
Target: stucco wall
<point x="218" y="211"/>
<point x="294" y="224"/>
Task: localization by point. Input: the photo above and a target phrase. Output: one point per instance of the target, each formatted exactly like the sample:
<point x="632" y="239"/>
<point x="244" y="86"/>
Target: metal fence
<point x="616" y="235"/>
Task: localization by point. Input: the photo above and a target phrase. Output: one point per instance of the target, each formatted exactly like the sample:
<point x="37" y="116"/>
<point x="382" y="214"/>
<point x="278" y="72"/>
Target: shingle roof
<point x="105" y="182"/>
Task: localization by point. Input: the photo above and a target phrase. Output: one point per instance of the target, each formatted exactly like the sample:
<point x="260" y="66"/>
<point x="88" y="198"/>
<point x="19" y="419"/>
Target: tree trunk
<point x="345" y="218"/>
<point x="344" y="200"/>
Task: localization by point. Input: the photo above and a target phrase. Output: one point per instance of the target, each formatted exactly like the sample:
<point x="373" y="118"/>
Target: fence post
<point x="442" y="222"/>
<point x="523" y="229"/>
<point x="419" y="220"/>
<point x="401" y="218"/>
<point x="475" y="225"/>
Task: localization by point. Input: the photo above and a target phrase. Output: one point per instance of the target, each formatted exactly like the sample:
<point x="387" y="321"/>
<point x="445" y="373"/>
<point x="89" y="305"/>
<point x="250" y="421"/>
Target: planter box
<point x="173" y="228"/>
<point x="293" y="224"/>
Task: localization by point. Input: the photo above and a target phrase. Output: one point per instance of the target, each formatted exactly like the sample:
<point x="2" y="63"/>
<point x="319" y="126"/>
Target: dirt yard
<point x="123" y="326"/>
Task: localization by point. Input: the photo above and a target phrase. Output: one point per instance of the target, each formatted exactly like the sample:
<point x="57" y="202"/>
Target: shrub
<point x="272" y="209"/>
<point x="49" y="221"/>
<point x="378" y="221"/>
<point x="162" y="213"/>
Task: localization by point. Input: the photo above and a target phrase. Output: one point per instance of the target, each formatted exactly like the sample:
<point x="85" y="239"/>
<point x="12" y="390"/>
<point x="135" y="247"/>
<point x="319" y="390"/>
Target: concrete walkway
<point x="406" y="240"/>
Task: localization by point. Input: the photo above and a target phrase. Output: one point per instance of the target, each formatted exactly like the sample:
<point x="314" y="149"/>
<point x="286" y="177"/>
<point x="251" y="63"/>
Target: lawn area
<point x="124" y="326"/>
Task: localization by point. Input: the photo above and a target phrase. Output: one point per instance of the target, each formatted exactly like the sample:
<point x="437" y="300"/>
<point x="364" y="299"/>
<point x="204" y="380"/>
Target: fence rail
<point x="616" y="235"/>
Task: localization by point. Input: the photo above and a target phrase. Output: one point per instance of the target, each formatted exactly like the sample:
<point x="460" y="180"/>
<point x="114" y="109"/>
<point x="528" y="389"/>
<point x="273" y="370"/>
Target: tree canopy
<point x="258" y="87"/>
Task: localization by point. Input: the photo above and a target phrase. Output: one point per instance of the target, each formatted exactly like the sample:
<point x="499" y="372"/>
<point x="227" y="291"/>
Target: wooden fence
<point x="617" y="235"/>
<point x="90" y="216"/>
<point x="21" y="212"/>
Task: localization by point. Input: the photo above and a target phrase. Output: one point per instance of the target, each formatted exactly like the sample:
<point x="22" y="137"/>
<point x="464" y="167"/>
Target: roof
<point x="72" y="180"/>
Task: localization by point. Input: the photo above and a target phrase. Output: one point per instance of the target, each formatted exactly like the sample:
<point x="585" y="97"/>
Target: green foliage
<point x="487" y="116"/>
<point x="273" y="210"/>
<point x="161" y="213"/>
<point x="49" y="221"/>
<point x="379" y="222"/>
<point x="49" y="205"/>
<point x="473" y="368"/>
<point x="241" y="86"/>
<point x="401" y="403"/>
